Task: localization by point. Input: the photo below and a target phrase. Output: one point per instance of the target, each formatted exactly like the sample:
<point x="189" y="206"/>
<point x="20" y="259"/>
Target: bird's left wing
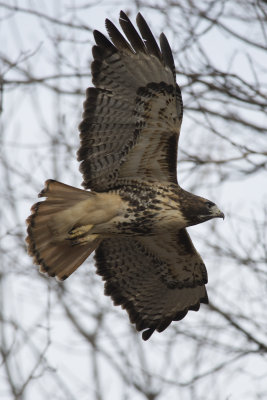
<point x="132" y="116"/>
<point x="157" y="279"/>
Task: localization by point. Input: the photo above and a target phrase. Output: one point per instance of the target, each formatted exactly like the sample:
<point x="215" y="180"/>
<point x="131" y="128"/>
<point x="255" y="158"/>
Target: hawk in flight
<point x="135" y="214"/>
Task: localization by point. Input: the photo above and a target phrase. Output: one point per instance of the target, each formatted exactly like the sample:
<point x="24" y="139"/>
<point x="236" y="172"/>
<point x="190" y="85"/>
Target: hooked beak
<point x="217" y="213"/>
<point x="221" y="215"/>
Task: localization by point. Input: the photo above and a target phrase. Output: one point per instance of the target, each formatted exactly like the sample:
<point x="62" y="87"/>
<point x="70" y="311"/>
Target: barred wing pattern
<point x="157" y="279"/>
<point x="132" y="117"/>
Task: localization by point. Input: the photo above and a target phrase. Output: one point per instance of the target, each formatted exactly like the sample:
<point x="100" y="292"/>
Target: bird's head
<point x="209" y="210"/>
<point x="197" y="209"/>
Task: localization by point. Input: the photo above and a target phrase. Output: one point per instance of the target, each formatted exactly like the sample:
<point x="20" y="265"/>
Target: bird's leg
<point x="81" y="235"/>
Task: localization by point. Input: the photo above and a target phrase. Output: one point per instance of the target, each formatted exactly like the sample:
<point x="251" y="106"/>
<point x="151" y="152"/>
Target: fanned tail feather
<point x="47" y="234"/>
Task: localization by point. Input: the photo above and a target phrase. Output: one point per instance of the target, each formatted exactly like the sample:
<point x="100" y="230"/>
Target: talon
<point x="75" y="233"/>
<point x="83" y="240"/>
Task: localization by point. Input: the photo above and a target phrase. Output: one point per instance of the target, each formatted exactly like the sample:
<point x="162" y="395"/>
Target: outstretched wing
<point x="156" y="279"/>
<point x="132" y="117"/>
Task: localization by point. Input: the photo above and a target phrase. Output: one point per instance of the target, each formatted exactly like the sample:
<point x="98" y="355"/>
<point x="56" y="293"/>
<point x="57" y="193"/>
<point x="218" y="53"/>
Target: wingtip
<point x="107" y="22"/>
<point x="140" y="18"/>
<point x="147" y="334"/>
<point x="123" y="15"/>
<point x="109" y="25"/>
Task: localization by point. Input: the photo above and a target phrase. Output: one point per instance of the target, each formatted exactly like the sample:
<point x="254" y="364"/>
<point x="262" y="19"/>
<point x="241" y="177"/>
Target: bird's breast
<point x="148" y="211"/>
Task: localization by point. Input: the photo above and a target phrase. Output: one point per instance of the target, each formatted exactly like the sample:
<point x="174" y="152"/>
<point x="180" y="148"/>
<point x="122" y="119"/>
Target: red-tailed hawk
<point x="135" y="213"/>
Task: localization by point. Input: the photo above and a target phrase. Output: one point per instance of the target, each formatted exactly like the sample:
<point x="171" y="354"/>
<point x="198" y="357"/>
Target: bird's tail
<point x="51" y="241"/>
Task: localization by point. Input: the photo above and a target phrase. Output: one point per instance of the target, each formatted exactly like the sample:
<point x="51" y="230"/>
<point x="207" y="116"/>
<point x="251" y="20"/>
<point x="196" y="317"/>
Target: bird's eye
<point x="209" y="204"/>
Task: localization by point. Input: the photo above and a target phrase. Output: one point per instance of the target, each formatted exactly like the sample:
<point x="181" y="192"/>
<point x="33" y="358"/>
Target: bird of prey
<point x="134" y="214"/>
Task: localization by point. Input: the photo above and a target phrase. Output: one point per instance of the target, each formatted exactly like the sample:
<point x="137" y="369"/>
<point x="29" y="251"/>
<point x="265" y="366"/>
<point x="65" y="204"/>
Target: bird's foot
<point x="80" y="231"/>
<point x="81" y="235"/>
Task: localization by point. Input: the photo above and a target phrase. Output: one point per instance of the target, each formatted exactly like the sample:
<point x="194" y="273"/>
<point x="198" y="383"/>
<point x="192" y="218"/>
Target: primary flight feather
<point x="135" y="214"/>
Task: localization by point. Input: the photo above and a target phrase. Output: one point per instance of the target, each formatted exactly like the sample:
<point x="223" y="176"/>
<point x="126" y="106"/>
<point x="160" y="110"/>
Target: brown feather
<point x="116" y="117"/>
<point x="117" y="38"/>
<point x="148" y="37"/>
<point x="157" y="279"/>
<point x="131" y="33"/>
<point x="56" y="257"/>
<point x="167" y="53"/>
